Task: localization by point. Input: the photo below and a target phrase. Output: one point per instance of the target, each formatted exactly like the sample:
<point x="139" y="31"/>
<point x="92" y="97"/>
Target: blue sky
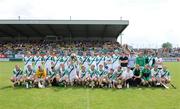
<point x="152" y="22"/>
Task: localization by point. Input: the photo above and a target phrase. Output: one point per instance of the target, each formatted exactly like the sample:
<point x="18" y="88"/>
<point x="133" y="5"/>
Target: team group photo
<point x="92" y="69"/>
<point x="89" y="54"/>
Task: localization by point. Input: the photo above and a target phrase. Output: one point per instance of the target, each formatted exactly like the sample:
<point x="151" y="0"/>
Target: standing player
<point x="115" y="59"/>
<point x="108" y="62"/>
<point x="48" y="60"/>
<point x="99" y="60"/>
<point x="124" y="61"/>
<point x="72" y="69"/>
<point x="140" y="60"/>
<point x="132" y="60"/>
<point x="37" y="61"/>
<point x="84" y="60"/>
<point x="27" y="60"/>
<point x="92" y="60"/>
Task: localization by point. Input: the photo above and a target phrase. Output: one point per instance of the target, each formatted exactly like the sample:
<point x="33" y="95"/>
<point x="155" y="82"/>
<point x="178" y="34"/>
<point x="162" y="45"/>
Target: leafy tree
<point x="167" y="45"/>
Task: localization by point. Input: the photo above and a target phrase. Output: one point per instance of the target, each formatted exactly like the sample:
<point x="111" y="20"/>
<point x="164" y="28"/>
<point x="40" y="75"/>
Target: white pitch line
<point x="87" y="92"/>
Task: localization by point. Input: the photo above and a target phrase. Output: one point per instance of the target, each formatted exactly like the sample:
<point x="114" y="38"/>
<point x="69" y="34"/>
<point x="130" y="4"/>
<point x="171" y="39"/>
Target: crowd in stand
<point x="87" y="64"/>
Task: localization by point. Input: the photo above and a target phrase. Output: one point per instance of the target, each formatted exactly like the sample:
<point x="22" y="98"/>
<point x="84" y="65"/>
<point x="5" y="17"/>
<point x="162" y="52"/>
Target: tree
<point x="167" y="45"/>
<point x="166" y="48"/>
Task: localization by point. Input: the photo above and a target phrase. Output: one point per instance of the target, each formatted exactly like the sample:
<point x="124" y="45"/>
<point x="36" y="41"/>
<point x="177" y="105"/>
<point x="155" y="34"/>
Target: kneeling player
<point x="17" y="77"/>
<point x="53" y="77"/>
<point x="119" y="77"/>
<point x="137" y="76"/>
<point x="40" y="77"/>
<point x="156" y="76"/>
<point x="102" y="76"/>
<point x="146" y="76"/>
<point x="127" y="77"/>
<point x="64" y="74"/>
<point x="92" y="77"/>
<point x="29" y="76"/>
<point x="112" y="77"/>
<point x="165" y="77"/>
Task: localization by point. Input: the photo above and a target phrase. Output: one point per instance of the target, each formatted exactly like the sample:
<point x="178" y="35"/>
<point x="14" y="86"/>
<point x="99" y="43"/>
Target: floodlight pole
<point x="19" y="18"/>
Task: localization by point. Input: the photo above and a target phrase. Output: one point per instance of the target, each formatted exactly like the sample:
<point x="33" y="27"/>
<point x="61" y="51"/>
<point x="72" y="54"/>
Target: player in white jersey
<point x="100" y="60"/>
<point x="37" y="61"/>
<point x="156" y="75"/>
<point x="84" y="60"/>
<point x="83" y="74"/>
<point x="29" y="76"/>
<point x="27" y="60"/>
<point x="115" y="60"/>
<point x="17" y="77"/>
<point x="58" y="61"/>
<point x="48" y="60"/>
<point x="108" y="62"/>
<point x="92" y="60"/>
<point x="66" y="59"/>
<point x="72" y="69"/>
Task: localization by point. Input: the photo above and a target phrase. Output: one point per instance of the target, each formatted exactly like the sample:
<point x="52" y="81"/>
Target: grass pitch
<point x="86" y="98"/>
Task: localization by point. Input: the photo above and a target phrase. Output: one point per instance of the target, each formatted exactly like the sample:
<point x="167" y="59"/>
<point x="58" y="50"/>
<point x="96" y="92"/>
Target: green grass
<point x="81" y="98"/>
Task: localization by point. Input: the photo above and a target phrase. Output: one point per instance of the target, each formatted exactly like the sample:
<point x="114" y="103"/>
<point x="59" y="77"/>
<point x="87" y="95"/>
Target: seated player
<point x="112" y="77"/>
<point x="146" y="76"/>
<point x="29" y="76"/>
<point x="156" y="75"/>
<point x="127" y="77"/>
<point x="17" y="77"/>
<point x="92" y="77"/>
<point x="40" y="77"/>
<point x="137" y="76"/>
<point x="165" y="75"/>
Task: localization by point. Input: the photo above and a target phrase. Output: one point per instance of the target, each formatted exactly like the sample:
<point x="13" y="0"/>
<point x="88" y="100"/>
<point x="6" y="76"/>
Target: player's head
<point x="48" y="52"/>
<point x="17" y="67"/>
<point x="84" y="53"/>
<point x="62" y="65"/>
<point x="137" y="66"/>
<point x="111" y="70"/>
<point x="119" y="68"/>
<point x="92" y="67"/>
<point x="83" y="68"/>
<point x="92" y="53"/>
<point x="101" y="66"/>
<point x="140" y="54"/>
<point x="40" y="68"/>
<point x="37" y="53"/>
<point x="28" y="53"/>
<point x="29" y="67"/>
